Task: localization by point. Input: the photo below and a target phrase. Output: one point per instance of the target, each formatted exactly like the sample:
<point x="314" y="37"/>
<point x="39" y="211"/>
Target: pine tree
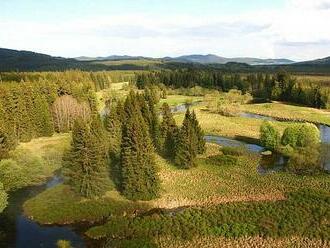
<point x="199" y="134"/>
<point x="139" y="179"/>
<point x="43" y="120"/>
<point x="114" y="129"/>
<point x="187" y="144"/>
<point x="4" y="144"/>
<point x="85" y="165"/>
<point x="169" y="132"/>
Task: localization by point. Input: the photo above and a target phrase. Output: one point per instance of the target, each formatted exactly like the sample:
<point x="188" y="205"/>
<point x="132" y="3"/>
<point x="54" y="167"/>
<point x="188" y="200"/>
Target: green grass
<point x="34" y="162"/>
<point x="233" y="127"/>
<point x="304" y="213"/>
<point x="61" y="205"/>
<point x="174" y="100"/>
<point x="290" y="112"/>
<point x="209" y="184"/>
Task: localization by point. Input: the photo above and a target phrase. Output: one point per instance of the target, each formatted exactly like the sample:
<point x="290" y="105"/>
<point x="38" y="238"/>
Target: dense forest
<point x="280" y="86"/>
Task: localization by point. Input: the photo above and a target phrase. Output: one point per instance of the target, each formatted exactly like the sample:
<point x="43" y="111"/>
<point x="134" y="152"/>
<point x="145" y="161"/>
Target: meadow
<point x="222" y="200"/>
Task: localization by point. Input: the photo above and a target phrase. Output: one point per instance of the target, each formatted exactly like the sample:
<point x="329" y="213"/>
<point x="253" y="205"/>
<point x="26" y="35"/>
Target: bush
<point x="305" y="161"/>
<point x="11" y="174"/>
<point x="233" y="151"/>
<point x="301" y="135"/>
<point x="223" y="160"/>
<point x="3" y="198"/>
<point x="269" y="136"/>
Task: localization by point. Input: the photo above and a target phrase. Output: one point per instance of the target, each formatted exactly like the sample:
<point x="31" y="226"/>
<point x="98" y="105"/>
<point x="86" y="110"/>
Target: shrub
<point x="309" y="135"/>
<point x="305" y="160"/>
<point x="233" y="151"/>
<point x="301" y="135"/>
<point x="269" y="136"/>
<point x="223" y="160"/>
<point x="11" y="174"/>
<point x="3" y="198"/>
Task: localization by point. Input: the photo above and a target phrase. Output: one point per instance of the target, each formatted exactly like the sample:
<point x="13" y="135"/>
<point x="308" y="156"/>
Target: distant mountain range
<point x="196" y="58"/>
<point x="13" y="60"/>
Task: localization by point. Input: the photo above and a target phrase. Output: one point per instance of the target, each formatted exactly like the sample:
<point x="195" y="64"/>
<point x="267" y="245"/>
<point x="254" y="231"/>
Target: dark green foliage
<point x="234" y="151"/>
<point x="269" y="136"/>
<point x="223" y="160"/>
<point x="187" y="144"/>
<point x="304" y="213"/>
<point x="43" y="119"/>
<point x="169" y="132"/>
<point x="5" y="145"/>
<point x="113" y="126"/>
<point x="280" y="86"/>
<point x="305" y="161"/>
<point x="139" y="179"/>
<point x="3" y="198"/>
<point x="85" y="165"/>
<point x="199" y="133"/>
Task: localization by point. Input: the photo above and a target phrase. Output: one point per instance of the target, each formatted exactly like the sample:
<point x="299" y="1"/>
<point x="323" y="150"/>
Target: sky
<point x="293" y="29"/>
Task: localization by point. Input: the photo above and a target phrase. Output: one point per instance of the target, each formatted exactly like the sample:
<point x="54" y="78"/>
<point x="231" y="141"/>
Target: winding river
<point x="16" y="230"/>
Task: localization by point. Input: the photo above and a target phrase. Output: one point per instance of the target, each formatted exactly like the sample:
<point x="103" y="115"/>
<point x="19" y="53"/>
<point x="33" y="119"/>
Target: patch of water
<point x="16" y="230"/>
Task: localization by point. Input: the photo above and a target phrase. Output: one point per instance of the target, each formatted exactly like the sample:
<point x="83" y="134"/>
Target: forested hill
<point x="13" y="60"/>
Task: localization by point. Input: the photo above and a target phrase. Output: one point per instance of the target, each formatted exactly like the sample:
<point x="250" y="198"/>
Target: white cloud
<point x="297" y="31"/>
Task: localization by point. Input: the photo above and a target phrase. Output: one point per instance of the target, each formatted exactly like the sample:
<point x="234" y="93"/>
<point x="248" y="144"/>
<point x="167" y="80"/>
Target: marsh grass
<point x="33" y="162"/>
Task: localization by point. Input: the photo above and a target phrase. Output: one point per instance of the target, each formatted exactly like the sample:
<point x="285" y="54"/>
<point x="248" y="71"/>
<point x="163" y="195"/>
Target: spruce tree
<point x="85" y="165"/>
<point x="42" y="117"/>
<point x="139" y="179"/>
<point x="187" y="143"/>
<point x="169" y="132"/>
<point x="114" y="129"/>
<point x="199" y="134"/>
<point x="4" y="144"/>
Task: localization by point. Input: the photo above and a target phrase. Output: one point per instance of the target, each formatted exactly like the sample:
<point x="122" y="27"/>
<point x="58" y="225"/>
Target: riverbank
<point x="287" y="112"/>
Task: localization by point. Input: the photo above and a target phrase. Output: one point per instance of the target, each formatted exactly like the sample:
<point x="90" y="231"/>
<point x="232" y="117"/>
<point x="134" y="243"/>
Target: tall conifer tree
<point x="139" y="179"/>
<point x="169" y="132"/>
<point x="187" y="144"/>
<point x="85" y="165"/>
<point x="199" y="134"/>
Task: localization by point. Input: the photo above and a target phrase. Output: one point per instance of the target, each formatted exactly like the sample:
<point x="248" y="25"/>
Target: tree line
<point x="280" y="86"/>
<point x="122" y="147"/>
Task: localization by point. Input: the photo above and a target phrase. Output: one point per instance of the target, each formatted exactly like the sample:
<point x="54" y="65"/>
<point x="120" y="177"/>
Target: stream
<point x="324" y="134"/>
<point x="16" y="230"/>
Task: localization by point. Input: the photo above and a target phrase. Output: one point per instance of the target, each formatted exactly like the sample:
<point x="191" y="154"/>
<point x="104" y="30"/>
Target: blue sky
<point x="255" y="28"/>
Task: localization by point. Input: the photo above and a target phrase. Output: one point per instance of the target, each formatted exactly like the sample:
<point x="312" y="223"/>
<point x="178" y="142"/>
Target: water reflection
<point x="16" y="230"/>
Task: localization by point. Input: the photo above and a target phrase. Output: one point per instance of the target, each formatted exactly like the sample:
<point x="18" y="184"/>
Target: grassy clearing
<point x="116" y="89"/>
<point x="290" y="112"/>
<point x="33" y="162"/>
<point x="61" y="205"/>
<point x="173" y="100"/>
<point x="233" y="127"/>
